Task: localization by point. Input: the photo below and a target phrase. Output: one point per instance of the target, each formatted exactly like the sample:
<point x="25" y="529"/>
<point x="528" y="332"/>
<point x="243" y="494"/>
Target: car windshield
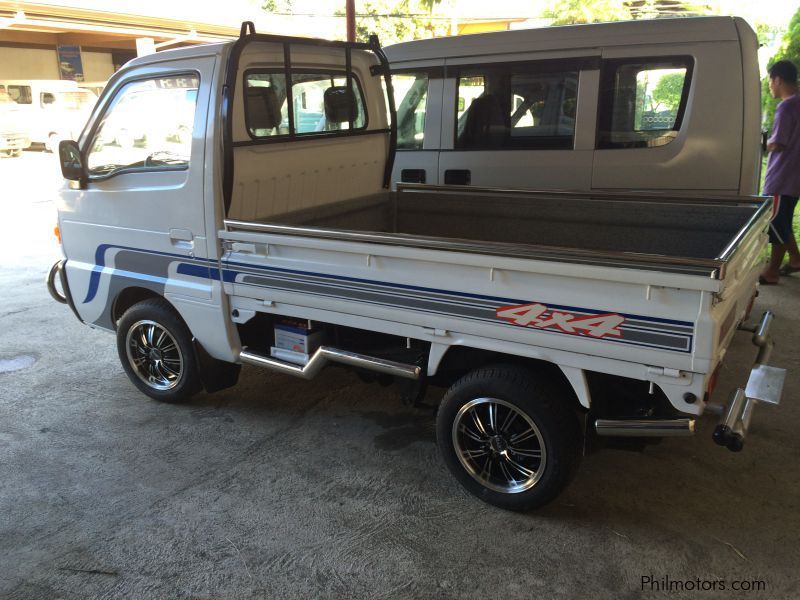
<point x="6" y="100"/>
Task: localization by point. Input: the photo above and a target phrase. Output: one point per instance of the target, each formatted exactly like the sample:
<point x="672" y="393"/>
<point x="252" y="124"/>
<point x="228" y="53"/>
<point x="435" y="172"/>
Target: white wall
<point x="97" y="66"/>
<point x="28" y="63"/>
<point x="35" y="63"/>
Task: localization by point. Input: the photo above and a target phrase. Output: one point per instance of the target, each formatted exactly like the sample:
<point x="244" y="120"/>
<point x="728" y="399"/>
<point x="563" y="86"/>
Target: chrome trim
<point x="645" y="427"/>
<point x="765" y="384"/>
<point x="491" y="453"/>
<point x="50" y="280"/>
<point x="154" y="355"/>
<point x="323" y="356"/>
<point x="649" y="196"/>
<point x="746" y="231"/>
<point x="689" y="266"/>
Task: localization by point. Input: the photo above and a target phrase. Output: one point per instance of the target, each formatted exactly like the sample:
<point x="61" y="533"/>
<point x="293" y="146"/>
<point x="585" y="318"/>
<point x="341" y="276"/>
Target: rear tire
<point x="509" y="437"/>
<point x="156" y="351"/>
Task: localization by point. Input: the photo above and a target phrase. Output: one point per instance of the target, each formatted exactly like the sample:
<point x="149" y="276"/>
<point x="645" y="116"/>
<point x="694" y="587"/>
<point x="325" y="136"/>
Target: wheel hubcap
<point x="154" y="355"/>
<point x="499" y="445"/>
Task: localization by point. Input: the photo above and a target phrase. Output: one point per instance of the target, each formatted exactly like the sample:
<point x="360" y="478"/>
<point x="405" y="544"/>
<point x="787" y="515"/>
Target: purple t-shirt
<point x="783" y="168"/>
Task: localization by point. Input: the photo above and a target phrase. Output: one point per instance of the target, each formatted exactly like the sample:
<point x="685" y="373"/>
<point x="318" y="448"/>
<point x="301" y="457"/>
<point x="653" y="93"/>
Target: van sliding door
<point x="418" y="97"/>
<point x="519" y="125"/>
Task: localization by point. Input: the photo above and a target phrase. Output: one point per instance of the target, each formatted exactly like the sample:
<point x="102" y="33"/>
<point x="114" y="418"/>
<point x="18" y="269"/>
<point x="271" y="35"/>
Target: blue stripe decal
<point x="229" y="276"/>
<point x="94" y="277"/>
<point x="100" y="260"/>
<point x="437" y="291"/>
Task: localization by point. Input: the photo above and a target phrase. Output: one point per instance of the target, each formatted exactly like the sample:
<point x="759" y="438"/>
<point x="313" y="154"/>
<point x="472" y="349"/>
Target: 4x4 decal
<point x="541" y="317"/>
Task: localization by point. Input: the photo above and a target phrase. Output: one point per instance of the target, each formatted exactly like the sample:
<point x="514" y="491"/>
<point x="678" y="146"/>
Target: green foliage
<point x="277" y="6"/>
<point x="406" y="20"/>
<point x="668" y="90"/>
<point x="789" y="50"/>
<point x="568" y="12"/>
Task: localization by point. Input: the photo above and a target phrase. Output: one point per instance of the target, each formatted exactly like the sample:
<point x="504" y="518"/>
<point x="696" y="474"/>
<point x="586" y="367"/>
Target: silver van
<point x="667" y="104"/>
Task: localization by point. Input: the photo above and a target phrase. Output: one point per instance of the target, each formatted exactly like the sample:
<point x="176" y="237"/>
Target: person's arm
<point x="775" y="147"/>
<point x="782" y="130"/>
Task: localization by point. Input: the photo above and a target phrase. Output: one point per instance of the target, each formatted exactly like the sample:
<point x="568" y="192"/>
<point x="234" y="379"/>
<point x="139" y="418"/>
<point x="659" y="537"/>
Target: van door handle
<point x="457" y="177"/>
<point x="412" y="176"/>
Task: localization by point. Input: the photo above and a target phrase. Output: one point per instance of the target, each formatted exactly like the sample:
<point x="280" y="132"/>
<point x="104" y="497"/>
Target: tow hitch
<point x="765" y="384"/>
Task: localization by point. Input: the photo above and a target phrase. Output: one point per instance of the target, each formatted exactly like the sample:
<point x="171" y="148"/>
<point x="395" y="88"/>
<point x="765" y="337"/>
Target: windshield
<point x="5" y="99"/>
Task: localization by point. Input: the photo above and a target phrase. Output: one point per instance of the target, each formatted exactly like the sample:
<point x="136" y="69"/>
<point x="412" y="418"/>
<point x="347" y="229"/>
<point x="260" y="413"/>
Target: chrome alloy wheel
<point x="154" y="355"/>
<point x="498" y="445"/>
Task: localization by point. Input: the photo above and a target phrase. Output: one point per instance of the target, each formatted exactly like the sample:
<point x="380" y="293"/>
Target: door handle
<point x="412" y="176"/>
<point x="457" y="177"/>
<point x="181" y="238"/>
<point x="181" y="235"/>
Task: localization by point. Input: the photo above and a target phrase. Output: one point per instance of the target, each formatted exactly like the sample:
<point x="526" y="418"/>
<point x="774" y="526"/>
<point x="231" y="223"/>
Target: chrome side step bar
<point x="323" y="356"/>
<point x="765" y="384"/>
<point x="644" y="427"/>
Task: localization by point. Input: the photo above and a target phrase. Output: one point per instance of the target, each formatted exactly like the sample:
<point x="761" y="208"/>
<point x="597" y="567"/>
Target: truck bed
<point x="670" y="233"/>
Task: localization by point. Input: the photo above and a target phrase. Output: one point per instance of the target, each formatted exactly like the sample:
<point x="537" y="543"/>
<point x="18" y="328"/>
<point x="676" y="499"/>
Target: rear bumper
<point x="765" y="384"/>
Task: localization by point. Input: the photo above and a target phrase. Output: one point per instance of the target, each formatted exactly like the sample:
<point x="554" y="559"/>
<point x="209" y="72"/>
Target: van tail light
<point x="57" y="233"/>
<point x="712" y="381"/>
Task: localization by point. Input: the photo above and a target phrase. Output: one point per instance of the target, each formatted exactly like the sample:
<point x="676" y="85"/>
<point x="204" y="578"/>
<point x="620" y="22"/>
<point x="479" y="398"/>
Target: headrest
<point x="263" y="108"/>
<point x="339" y="101"/>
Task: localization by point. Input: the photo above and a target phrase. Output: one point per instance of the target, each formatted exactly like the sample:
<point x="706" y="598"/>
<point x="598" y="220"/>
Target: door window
<point x="642" y="103"/>
<point x="148" y="125"/>
<point x="523" y="107"/>
<point x="411" y="95"/>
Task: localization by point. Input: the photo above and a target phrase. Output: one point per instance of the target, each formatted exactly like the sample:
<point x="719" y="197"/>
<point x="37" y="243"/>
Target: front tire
<point x="509" y="437"/>
<point x="156" y="351"/>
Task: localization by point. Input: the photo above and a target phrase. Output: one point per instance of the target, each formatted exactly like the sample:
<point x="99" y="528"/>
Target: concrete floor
<point x="331" y="488"/>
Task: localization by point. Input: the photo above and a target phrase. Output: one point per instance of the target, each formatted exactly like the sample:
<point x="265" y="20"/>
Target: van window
<point x="148" y="125"/>
<point x="320" y="103"/>
<point x="411" y="96"/>
<point x="21" y="94"/>
<point x="82" y="100"/>
<point x="523" y="107"/>
<point x="642" y="102"/>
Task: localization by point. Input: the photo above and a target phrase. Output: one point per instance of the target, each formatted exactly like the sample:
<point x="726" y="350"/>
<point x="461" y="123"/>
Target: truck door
<point x="140" y="221"/>
<point x="418" y="98"/>
<point x="518" y="125"/>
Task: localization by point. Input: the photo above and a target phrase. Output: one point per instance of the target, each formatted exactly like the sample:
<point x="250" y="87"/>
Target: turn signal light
<point x="57" y="233"/>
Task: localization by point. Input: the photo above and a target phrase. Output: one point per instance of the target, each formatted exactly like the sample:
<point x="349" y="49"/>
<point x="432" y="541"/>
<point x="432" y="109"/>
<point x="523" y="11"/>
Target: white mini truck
<point x="266" y="235"/>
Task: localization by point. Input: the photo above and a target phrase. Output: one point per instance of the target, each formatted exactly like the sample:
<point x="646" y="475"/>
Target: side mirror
<point x="71" y="162"/>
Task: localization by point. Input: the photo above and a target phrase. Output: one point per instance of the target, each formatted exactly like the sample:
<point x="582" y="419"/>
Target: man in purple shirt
<point x="783" y="171"/>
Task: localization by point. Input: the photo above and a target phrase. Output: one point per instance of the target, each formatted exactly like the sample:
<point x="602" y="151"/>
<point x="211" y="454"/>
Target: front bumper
<point x="64" y="296"/>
